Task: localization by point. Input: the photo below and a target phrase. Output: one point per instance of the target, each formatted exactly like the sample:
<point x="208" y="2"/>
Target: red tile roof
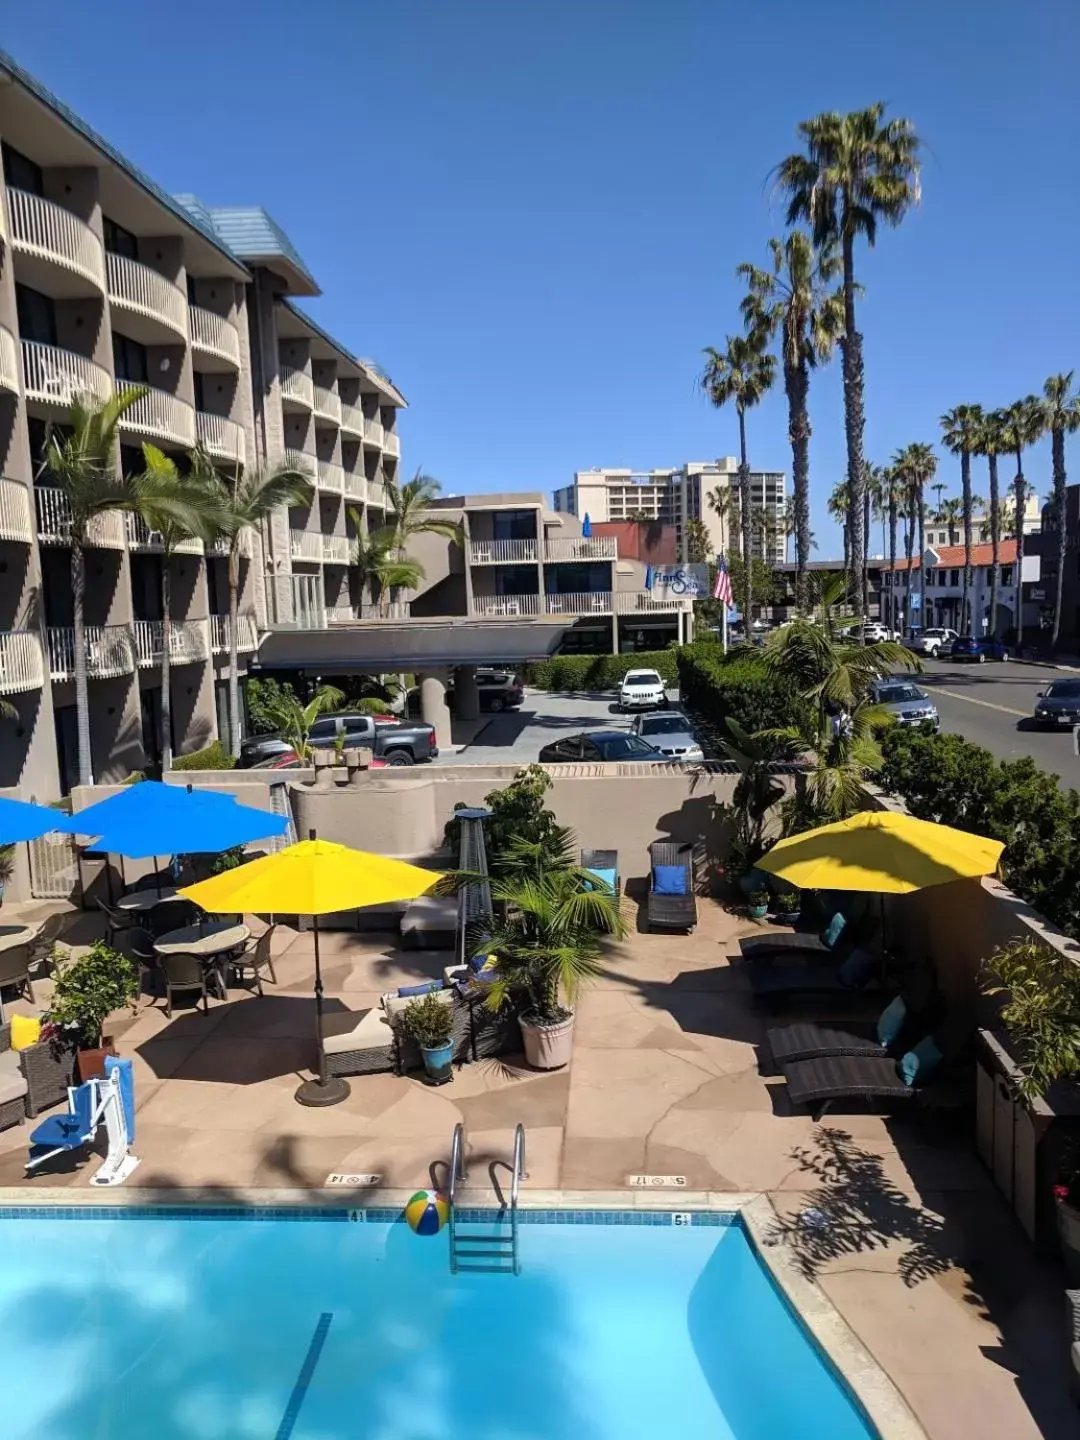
<point x="952" y="556"/>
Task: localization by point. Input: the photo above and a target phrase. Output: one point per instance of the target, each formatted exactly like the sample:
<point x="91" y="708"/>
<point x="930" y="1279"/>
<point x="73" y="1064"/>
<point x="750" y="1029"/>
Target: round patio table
<point x="12" y="935"/>
<point x="208" y="941"/>
<point x="141" y="901"/>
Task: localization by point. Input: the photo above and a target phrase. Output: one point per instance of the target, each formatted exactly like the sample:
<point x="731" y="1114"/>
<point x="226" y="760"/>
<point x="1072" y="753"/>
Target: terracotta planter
<point x="1068" y="1228"/>
<point x="547" y="1047"/>
<point x="91" y="1063"/>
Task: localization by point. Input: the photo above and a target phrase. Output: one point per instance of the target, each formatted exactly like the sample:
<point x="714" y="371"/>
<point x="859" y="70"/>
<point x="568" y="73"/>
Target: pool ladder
<point x="491" y="1251"/>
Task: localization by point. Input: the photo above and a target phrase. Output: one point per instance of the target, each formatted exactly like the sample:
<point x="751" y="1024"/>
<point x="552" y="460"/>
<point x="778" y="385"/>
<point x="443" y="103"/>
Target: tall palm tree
<point x="950" y="513"/>
<point x="989" y="441"/>
<point x="794" y="296"/>
<point x="892" y="494"/>
<point x="742" y="374"/>
<point x="409" y="513"/>
<point x="871" y="507"/>
<point x="960" y="431"/>
<point x="382" y="568"/>
<point x="917" y="465"/>
<point x="723" y="503"/>
<point x="247" y="499"/>
<point x="1022" y="424"/>
<point x="858" y="170"/>
<point x="1061" y="416"/>
<point x="839" y="506"/>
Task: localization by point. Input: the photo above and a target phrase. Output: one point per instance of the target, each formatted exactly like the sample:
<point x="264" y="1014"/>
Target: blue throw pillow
<point x="832" y="932"/>
<point x="918" y="1063"/>
<point x="891" y="1021"/>
<point x="857" y="969"/>
<point x="406" y="990"/>
<point x="669" y="880"/>
<point x="607" y="876"/>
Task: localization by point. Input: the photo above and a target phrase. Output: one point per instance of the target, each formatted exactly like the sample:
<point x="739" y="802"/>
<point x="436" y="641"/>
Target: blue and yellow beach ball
<point x="427" y="1212"/>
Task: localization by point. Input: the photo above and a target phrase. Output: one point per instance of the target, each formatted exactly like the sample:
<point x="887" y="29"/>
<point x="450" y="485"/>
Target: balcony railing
<point x="55" y="376"/>
<point x="110" y="652"/>
<point x="373" y="431"/>
<point x="587" y="602"/>
<point x="48" y="231"/>
<point x="502" y="552"/>
<point x="355" y="486"/>
<point x="391" y="443"/>
<point x="223" y="438"/>
<point x="593" y="547"/>
<point x="640" y="602"/>
<point x="376" y="494"/>
<point x="297" y="386"/>
<point x="220" y="548"/>
<point x="247" y="635"/>
<point x="496" y="606"/>
<point x="9" y="360"/>
<point x="141" y="537"/>
<point x="340" y="614"/>
<point x="335" y="549"/>
<point x="22" y="664"/>
<point x="330" y="477"/>
<point x="306" y="545"/>
<point x="188" y="642"/>
<point x="160" y="416"/>
<point x="352" y="418"/>
<point x="327" y="404"/>
<point x="105" y="531"/>
<point x="214" y="336"/>
<point x="15" y="522"/>
<point x="139" y="288"/>
<point x="385" y="610"/>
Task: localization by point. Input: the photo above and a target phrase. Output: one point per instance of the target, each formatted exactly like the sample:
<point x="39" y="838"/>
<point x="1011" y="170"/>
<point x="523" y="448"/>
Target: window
<point x="37" y="315"/>
<point x="323" y="730"/>
<point x="200" y="390"/>
<point x="1006" y="574"/>
<point x="513" y="525"/>
<point x="21" y="173"/>
<point x="119" y="241"/>
<point x="129" y="360"/>
<point x="357" y="725"/>
<point x="954" y="577"/>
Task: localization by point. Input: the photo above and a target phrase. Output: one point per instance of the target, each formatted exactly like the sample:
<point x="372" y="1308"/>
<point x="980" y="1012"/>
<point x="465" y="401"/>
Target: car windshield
<point x="641" y="677"/>
<point x="1064" y="690"/>
<point x="898" y="694"/>
<point x="665" y="725"/>
<point x="622" y="747"/>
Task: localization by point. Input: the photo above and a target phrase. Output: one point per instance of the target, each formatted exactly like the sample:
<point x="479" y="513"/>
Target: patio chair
<point x="116" y="921"/>
<point x="45" y="1068"/>
<point x="59" y="1134"/>
<point x="41" y="946"/>
<point x="171" y="915"/>
<point x="15" y="974"/>
<point x="859" y="974"/>
<point x="359" y="1042"/>
<point x="819" y="1083"/>
<point x="604" y="864"/>
<point x="256" y="958"/>
<point x="186" y="974"/>
<point x="861" y="930"/>
<point x="139" y="946"/>
<point x="672" y="905"/>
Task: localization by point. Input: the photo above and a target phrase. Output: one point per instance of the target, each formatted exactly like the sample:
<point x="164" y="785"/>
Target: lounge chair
<point x="430" y="923"/>
<point x="907" y="1013"/>
<point x="861" y="930"/>
<point x="859" y="974"/>
<point x="1072" y="1317"/>
<point x="604" y="864"/>
<point x="818" y="1083"/>
<point x="671" y="909"/>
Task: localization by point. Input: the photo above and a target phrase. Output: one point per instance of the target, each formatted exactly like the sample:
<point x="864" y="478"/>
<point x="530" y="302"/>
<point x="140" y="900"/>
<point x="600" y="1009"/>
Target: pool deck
<point x="916" y="1250"/>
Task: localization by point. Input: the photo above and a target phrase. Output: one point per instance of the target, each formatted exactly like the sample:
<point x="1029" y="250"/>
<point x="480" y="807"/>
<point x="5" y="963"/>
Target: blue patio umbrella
<point x="586" y="526"/>
<point x="22" y="821"/>
<point x="146" y="798"/>
<point x="152" y="818"/>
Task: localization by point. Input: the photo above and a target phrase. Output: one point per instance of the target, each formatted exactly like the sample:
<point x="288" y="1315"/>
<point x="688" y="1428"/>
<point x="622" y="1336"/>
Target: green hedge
<point x="948" y="779"/>
<point x="716" y="686"/>
<point x="598" y="672"/>
<point x="214" y="757"/>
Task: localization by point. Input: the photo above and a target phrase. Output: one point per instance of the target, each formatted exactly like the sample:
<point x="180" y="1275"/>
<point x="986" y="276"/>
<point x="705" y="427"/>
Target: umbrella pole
<point x="325" y="1090"/>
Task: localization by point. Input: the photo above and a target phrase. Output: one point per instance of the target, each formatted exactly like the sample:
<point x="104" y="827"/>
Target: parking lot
<point x="515" y="737"/>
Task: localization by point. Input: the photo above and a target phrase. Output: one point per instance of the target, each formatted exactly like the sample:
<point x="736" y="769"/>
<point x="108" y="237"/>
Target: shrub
<point x="263" y="699"/>
<point x="598" y="672"/>
<point x="429" y="1021"/>
<point x="735" y="686"/>
<point x="1040" y="994"/>
<point x="214" y="757"/>
<point x="89" y="987"/>
<point x="518" y="814"/>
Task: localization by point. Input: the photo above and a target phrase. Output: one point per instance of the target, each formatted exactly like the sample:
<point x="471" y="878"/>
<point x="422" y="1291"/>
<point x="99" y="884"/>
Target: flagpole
<point x="724" y="627"/>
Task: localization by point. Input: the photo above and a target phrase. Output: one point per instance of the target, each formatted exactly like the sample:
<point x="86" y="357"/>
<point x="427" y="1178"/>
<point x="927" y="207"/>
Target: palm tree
<point x="795" y="298"/>
<point x="917" y="465"/>
<point x="294" y="719"/>
<point x="892" y="495"/>
<point x="721" y="501"/>
<point x="742" y="373"/>
<point x="839" y="504"/>
<point x="960" y="428"/>
<point x="871" y="507"/>
<point x="1022" y="425"/>
<point x="858" y="170"/>
<point x="989" y="441"/>
<point x="248" y="498"/>
<point x="950" y="513"/>
<point x="409" y="513"/>
<point x="382" y="568"/>
<point x="1061" y="416"/>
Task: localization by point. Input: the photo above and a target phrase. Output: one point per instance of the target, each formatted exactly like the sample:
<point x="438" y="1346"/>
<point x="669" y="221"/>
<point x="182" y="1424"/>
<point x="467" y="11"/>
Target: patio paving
<point x="919" y="1254"/>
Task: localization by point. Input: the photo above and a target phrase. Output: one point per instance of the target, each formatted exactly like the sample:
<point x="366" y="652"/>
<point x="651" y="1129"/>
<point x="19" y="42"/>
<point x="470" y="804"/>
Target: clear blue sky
<point x="531" y="214"/>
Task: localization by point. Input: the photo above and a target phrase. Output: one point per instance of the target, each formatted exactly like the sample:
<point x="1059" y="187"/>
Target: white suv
<point x="937" y="640"/>
<point x="642" y="690"/>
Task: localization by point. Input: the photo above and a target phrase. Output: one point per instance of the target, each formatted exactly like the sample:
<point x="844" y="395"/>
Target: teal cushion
<point x="669" y="880"/>
<point x="832" y="932"/>
<point x="425" y="989"/>
<point x="917" y="1064"/>
<point x="891" y="1021"/>
<point x="607" y="876"/>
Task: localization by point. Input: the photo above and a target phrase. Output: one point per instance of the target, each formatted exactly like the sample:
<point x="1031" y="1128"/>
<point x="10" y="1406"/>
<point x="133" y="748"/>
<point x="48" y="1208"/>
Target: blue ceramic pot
<point x="438" y="1061"/>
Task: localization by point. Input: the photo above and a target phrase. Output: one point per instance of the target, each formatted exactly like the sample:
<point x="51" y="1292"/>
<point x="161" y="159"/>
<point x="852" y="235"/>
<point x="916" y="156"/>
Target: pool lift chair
<point x="104" y="1100"/>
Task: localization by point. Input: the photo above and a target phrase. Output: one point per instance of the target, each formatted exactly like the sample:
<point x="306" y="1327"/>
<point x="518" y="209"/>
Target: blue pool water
<point x="281" y="1329"/>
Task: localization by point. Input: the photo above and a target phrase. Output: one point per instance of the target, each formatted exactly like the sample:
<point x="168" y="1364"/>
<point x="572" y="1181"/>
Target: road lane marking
<point x="986" y="704"/>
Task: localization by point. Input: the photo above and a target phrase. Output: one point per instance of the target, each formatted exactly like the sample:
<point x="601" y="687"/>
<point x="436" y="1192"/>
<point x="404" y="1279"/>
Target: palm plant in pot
<point x="788" y="906"/>
<point x="429" y="1021"/>
<point x="87" y="989"/>
<point x="758" y="902"/>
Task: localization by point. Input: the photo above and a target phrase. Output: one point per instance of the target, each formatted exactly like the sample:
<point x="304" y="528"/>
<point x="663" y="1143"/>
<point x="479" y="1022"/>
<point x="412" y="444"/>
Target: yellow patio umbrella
<point x="313" y="877"/>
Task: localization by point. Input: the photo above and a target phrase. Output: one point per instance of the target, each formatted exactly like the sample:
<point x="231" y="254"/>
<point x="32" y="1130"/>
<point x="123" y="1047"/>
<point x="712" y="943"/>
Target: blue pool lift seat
<point x="71" y="1131"/>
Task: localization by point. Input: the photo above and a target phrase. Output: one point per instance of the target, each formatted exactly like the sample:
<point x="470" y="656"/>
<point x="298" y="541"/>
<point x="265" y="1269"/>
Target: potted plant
<point x="758" y="901"/>
<point x="87" y="989"/>
<point x="788" y="906"/>
<point x="7" y="867"/>
<point x="429" y="1021"/>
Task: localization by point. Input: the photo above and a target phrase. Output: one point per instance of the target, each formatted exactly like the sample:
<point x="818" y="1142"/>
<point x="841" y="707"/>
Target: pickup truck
<point x="397" y="742"/>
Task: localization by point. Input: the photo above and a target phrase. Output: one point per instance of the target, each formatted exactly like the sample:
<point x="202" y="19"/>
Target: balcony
<point x="105" y="531"/>
<point x="155" y="310"/>
<point x="502" y="552"/>
<point x="340" y="614"/>
<point x="65" y="256"/>
<point x="580" y="547"/>
<point x="220" y="548"/>
<point x="22" y="665"/>
<point x="327" y="404"/>
<point x="297" y="389"/>
<point x="499" y="606"/>
<point x="640" y="602"/>
<point x="110" y="652"/>
<point x="215" y="343"/>
<point x="391" y="443"/>
<point x="336" y="549"/>
<point x="188" y="642"/>
<point x="355" y="486"/>
<point x="373" y="433"/>
<point x="376" y="494"/>
<point x="15" y="521"/>
<point x="588" y="602"/>
<point x="157" y="415"/>
<point x="247" y="635"/>
<point x="352" y="419"/>
<point x="330" y="477"/>
<point x="9" y="361"/>
<point x="54" y="377"/>
<point x="140" y="537"/>
<point x="306" y="545"/>
<point x="220" y="437"/>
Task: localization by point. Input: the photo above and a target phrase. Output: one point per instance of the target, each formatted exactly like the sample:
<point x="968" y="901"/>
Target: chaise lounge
<point x="811" y="1040"/>
<point x="818" y="1083"/>
<point x="604" y="864"/>
<point x="671" y="905"/>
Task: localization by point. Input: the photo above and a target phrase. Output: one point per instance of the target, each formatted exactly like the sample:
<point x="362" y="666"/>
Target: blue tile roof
<point x="248" y="231"/>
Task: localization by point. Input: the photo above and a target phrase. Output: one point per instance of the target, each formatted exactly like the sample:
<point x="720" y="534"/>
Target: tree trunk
<point x="234" y="678"/>
<point x="892" y="563"/>
<point x="797" y="384"/>
<point x="747" y="522"/>
<point x="82" y="693"/>
<point x="1057" y="449"/>
<point x="922" y="551"/>
<point x="166" y="665"/>
<point x="864" y="579"/>
<point x="965" y="487"/>
<point x="847" y="553"/>
<point x="854" y="419"/>
<point x="909" y="551"/>
<point x="995" y="540"/>
<point x="1020" y="494"/>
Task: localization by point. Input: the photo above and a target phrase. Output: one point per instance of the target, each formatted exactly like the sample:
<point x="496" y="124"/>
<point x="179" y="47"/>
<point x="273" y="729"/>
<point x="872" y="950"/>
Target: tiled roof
<point x="949" y="556"/>
<point x="248" y="231"/>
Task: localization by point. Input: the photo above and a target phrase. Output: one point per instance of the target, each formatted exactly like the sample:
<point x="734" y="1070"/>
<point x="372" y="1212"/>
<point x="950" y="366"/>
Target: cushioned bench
<point x="430" y="923"/>
<point x="13" y="1089"/>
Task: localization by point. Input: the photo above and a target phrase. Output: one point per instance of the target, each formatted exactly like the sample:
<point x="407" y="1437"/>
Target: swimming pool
<point x="258" y="1325"/>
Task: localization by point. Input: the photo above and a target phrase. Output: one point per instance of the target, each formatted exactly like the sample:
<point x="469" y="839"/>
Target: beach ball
<point x="427" y="1212"/>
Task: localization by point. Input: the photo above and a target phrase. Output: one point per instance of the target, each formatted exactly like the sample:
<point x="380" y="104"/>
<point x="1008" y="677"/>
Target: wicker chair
<point x="672" y="912"/>
<point x="47" y="1068"/>
<point x="187" y="973"/>
<point x="116" y="921"/>
<point x="256" y="959"/>
<point x="171" y="915"/>
<point x="1072" y="1316"/>
<point x="602" y="860"/>
<point x="15" y="973"/>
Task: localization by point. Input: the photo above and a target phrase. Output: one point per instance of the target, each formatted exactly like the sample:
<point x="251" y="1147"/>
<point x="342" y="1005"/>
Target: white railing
<point x="105" y="531"/>
<point x="247" y="636"/>
<point x="340" y="614"/>
<point x="352" y="418"/>
<point x="22" y="665"/>
<point x="56" y="376"/>
<point x="640" y="602"/>
<point x="222" y="437"/>
<point x="110" y="651"/>
<point x="355" y="485"/>
<point x="593" y="547"/>
<point x="391" y="443"/>
<point x="495" y="606"/>
<point x="330" y="477"/>
<point x="188" y="642"/>
<point x="38" y="227"/>
<point x="306" y="545"/>
<point x="327" y="403"/>
<point x="140" y="537"/>
<point x="135" y="286"/>
<point x="309" y="604"/>
<point x="586" y="602"/>
<point x="502" y="552"/>
<point x="373" y="431"/>
<point x="214" y="335"/>
<point x="9" y="359"/>
<point x="55" y="867"/>
<point x="160" y="415"/>
<point x="297" y="385"/>
<point x="15" y="521"/>
<point x="335" y="549"/>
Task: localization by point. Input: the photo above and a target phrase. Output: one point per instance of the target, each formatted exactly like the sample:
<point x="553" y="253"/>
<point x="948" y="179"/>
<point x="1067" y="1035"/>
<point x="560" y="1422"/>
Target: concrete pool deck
<point x="905" y="1236"/>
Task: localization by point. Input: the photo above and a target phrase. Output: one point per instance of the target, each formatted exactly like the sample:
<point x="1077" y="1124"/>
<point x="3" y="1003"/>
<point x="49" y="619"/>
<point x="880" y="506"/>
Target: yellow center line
<point x="986" y="704"/>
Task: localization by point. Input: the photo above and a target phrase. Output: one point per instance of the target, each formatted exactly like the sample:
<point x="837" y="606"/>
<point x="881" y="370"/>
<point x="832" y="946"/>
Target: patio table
<point x="13" y="935"/>
<point x="142" y="901"/>
<point x="209" y="941"/>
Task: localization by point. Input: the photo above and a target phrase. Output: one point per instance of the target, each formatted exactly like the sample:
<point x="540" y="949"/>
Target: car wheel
<point x="400" y="757"/>
<point x="495" y="705"/>
<point x="982" y="658"/>
<point x="1004" y="656"/>
<point x="933" y="652"/>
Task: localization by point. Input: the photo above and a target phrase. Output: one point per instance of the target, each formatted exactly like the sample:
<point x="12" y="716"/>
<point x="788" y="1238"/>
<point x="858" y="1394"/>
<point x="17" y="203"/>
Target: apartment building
<point x="938" y="532"/>
<point x="676" y="496"/>
<point x="106" y="279"/>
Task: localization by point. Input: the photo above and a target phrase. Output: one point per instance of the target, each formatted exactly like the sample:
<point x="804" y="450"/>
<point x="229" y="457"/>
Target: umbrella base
<point x="313" y="1094"/>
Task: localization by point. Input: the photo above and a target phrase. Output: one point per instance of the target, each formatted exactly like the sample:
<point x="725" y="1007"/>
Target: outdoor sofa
<point x="34" y="1078"/>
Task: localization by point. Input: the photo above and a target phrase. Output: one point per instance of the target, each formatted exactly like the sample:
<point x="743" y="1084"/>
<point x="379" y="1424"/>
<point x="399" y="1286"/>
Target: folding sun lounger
<point x="817" y="1083"/>
<point x="672" y="905"/>
<point x="859" y="974"/>
<point x="889" y="1034"/>
<point x="839" y="937"/>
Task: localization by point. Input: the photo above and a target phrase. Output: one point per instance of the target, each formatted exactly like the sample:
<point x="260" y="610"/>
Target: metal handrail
<point x="457" y="1160"/>
<point x="519" y="1170"/>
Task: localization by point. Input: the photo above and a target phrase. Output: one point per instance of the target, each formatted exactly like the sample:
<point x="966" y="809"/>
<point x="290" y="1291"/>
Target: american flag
<point x="722" y="586"/>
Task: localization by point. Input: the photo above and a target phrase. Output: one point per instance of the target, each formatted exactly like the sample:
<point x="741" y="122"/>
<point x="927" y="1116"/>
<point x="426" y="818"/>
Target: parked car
<point x="602" y="746"/>
<point x="498" y="690"/>
<point x="291" y="761"/>
<point x="906" y="702"/>
<point x="642" y="690"/>
<point x="407" y="742"/>
<point x="872" y="633"/>
<point x="671" y="732"/>
<point x="260" y="750"/>
<point x="934" y="641"/>
<point x="1059" y="704"/>
<point x="970" y="647"/>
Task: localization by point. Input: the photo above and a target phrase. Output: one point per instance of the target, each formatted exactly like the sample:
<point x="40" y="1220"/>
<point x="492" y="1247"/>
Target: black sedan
<point x="602" y="747"/>
<point x="1059" y="704"/>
